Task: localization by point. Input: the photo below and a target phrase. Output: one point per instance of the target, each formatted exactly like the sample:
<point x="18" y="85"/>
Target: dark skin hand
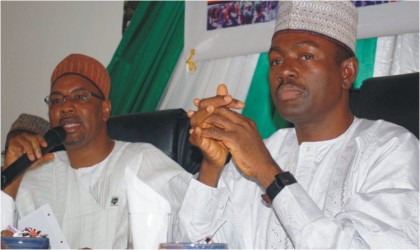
<point x="19" y="145"/>
<point x="217" y="130"/>
<point x="215" y="153"/>
<point x="242" y="139"/>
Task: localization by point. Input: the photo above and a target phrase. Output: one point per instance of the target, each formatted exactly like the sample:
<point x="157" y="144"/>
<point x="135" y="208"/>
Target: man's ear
<point x="106" y="110"/>
<point x="349" y="69"/>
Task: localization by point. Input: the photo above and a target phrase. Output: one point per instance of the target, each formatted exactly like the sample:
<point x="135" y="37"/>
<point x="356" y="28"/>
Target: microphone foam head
<point x="55" y="136"/>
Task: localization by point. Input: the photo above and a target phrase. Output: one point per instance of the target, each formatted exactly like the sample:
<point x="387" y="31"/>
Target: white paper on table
<point x="8" y="211"/>
<point x="148" y="211"/>
<point x="44" y="219"/>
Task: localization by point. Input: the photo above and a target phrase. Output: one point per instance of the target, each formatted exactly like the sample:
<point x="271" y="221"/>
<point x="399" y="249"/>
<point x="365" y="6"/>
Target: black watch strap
<point x="281" y="180"/>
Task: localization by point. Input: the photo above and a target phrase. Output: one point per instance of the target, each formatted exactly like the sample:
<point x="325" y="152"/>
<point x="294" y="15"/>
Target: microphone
<point x="54" y="137"/>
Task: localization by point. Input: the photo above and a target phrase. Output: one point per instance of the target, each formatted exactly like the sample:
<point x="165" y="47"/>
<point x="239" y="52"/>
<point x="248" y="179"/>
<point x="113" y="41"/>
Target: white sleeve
<point x="206" y="210"/>
<point x="381" y="213"/>
<point x="164" y="175"/>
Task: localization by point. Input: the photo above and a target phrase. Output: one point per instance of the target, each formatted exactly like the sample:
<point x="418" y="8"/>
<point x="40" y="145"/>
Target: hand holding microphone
<point x="54" y="137"/>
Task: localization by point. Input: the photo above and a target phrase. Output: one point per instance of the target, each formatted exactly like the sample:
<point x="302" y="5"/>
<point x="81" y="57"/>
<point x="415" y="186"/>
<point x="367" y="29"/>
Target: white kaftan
<point x="91" y="203"/>
<point x="359" y="190"/>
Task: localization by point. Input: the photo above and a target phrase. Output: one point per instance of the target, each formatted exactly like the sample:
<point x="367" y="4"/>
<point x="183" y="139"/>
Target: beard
<point x="73" y="141"/>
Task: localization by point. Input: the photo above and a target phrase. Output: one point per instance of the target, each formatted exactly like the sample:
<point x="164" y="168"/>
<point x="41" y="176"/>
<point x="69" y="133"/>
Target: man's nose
<point x="286" y="71"/>
<point x="68" y="104"/>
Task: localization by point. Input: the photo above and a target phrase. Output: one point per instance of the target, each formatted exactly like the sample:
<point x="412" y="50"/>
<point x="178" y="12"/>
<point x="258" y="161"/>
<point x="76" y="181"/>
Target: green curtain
<point x="365" y="53"/>
<point x="259" y="106"/>
<point x="146" y="56"/>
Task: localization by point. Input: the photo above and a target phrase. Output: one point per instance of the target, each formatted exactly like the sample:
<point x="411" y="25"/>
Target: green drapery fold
<point x="365" y="53"/>
<point x="259" y="106"/>
<point x="146" y="56"/>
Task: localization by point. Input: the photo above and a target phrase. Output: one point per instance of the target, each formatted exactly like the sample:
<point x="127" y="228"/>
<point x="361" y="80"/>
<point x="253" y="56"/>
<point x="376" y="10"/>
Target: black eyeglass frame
<point x="48" y="102"/>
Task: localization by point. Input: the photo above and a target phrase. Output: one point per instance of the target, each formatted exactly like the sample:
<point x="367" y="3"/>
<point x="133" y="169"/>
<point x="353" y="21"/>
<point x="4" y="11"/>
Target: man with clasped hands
<point x="332" y="181"/>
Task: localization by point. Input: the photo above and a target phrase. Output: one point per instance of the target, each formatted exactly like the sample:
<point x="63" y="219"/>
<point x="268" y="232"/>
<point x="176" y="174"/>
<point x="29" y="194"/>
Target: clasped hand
<point x="217" y="130"/>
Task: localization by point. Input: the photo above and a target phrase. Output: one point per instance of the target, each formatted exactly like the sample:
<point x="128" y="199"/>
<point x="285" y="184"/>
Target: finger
<point x="196" y="102"/>
<point x="20" y="145"/>
<point x="196" y="139"/>
<point x="36" y="142"/>
<point x="235" y="104"/>
<point x="32" y="145"/>
<point x="219" y="101"/>
<point x="227" y="119"/>
<point x="203" y="124"/>
<point x="15" y="150"/>
<point x="207" y="146"/>
<point x="222" y="89"/>
<point x="216" y="133"/>
<point x="215" y="101"/>
<point x="231" y="115"/>
<point x="198" y="118"/>
<point x="190" y="113"/>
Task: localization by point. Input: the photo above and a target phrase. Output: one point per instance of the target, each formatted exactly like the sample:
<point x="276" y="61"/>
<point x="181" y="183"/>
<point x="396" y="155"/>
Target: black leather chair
<point x="391" y="98"/>
<point x="165" y="129"/>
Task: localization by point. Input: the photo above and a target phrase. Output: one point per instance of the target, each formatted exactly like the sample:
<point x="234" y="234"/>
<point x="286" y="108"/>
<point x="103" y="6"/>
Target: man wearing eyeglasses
<point x="84" y="184"/>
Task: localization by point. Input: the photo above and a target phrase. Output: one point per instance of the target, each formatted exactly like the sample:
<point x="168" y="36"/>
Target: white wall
<point x="35" y="36"/>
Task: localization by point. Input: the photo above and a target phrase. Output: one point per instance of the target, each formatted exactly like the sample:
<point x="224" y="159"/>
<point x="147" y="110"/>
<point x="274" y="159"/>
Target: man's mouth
<point x="288" y="92"/>
<point x="70" y="125"/>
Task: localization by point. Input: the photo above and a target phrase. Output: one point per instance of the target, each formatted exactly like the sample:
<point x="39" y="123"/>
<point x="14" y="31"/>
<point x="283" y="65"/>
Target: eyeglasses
<point x="78" y="96"/>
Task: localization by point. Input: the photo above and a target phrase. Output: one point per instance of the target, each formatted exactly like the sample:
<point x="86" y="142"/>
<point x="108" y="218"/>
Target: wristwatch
<point x="280" y="181"/>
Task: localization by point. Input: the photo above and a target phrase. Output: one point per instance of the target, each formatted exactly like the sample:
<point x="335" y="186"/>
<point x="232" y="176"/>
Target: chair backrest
<point x="391" y="98"/>
<point x="165" y="129"/>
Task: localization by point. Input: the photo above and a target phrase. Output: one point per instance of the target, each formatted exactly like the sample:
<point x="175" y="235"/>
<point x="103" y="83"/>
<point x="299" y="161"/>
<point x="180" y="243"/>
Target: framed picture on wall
<point x="228" y="28"/>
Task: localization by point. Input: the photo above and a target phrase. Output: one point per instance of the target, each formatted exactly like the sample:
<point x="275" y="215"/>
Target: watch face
<point x="281" y="180"/>
<point x="285" y="178"/>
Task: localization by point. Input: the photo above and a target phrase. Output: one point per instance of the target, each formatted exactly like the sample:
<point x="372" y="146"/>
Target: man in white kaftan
<point x="332" y="181"/>
<point x="91" y="203"/>
<point x="85" y="185"/>
<point x="368" y="199"/>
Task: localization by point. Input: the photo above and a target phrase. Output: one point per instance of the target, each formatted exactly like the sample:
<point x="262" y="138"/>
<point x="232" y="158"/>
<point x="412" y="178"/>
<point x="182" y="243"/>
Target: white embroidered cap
<point x="334" y="19"/>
